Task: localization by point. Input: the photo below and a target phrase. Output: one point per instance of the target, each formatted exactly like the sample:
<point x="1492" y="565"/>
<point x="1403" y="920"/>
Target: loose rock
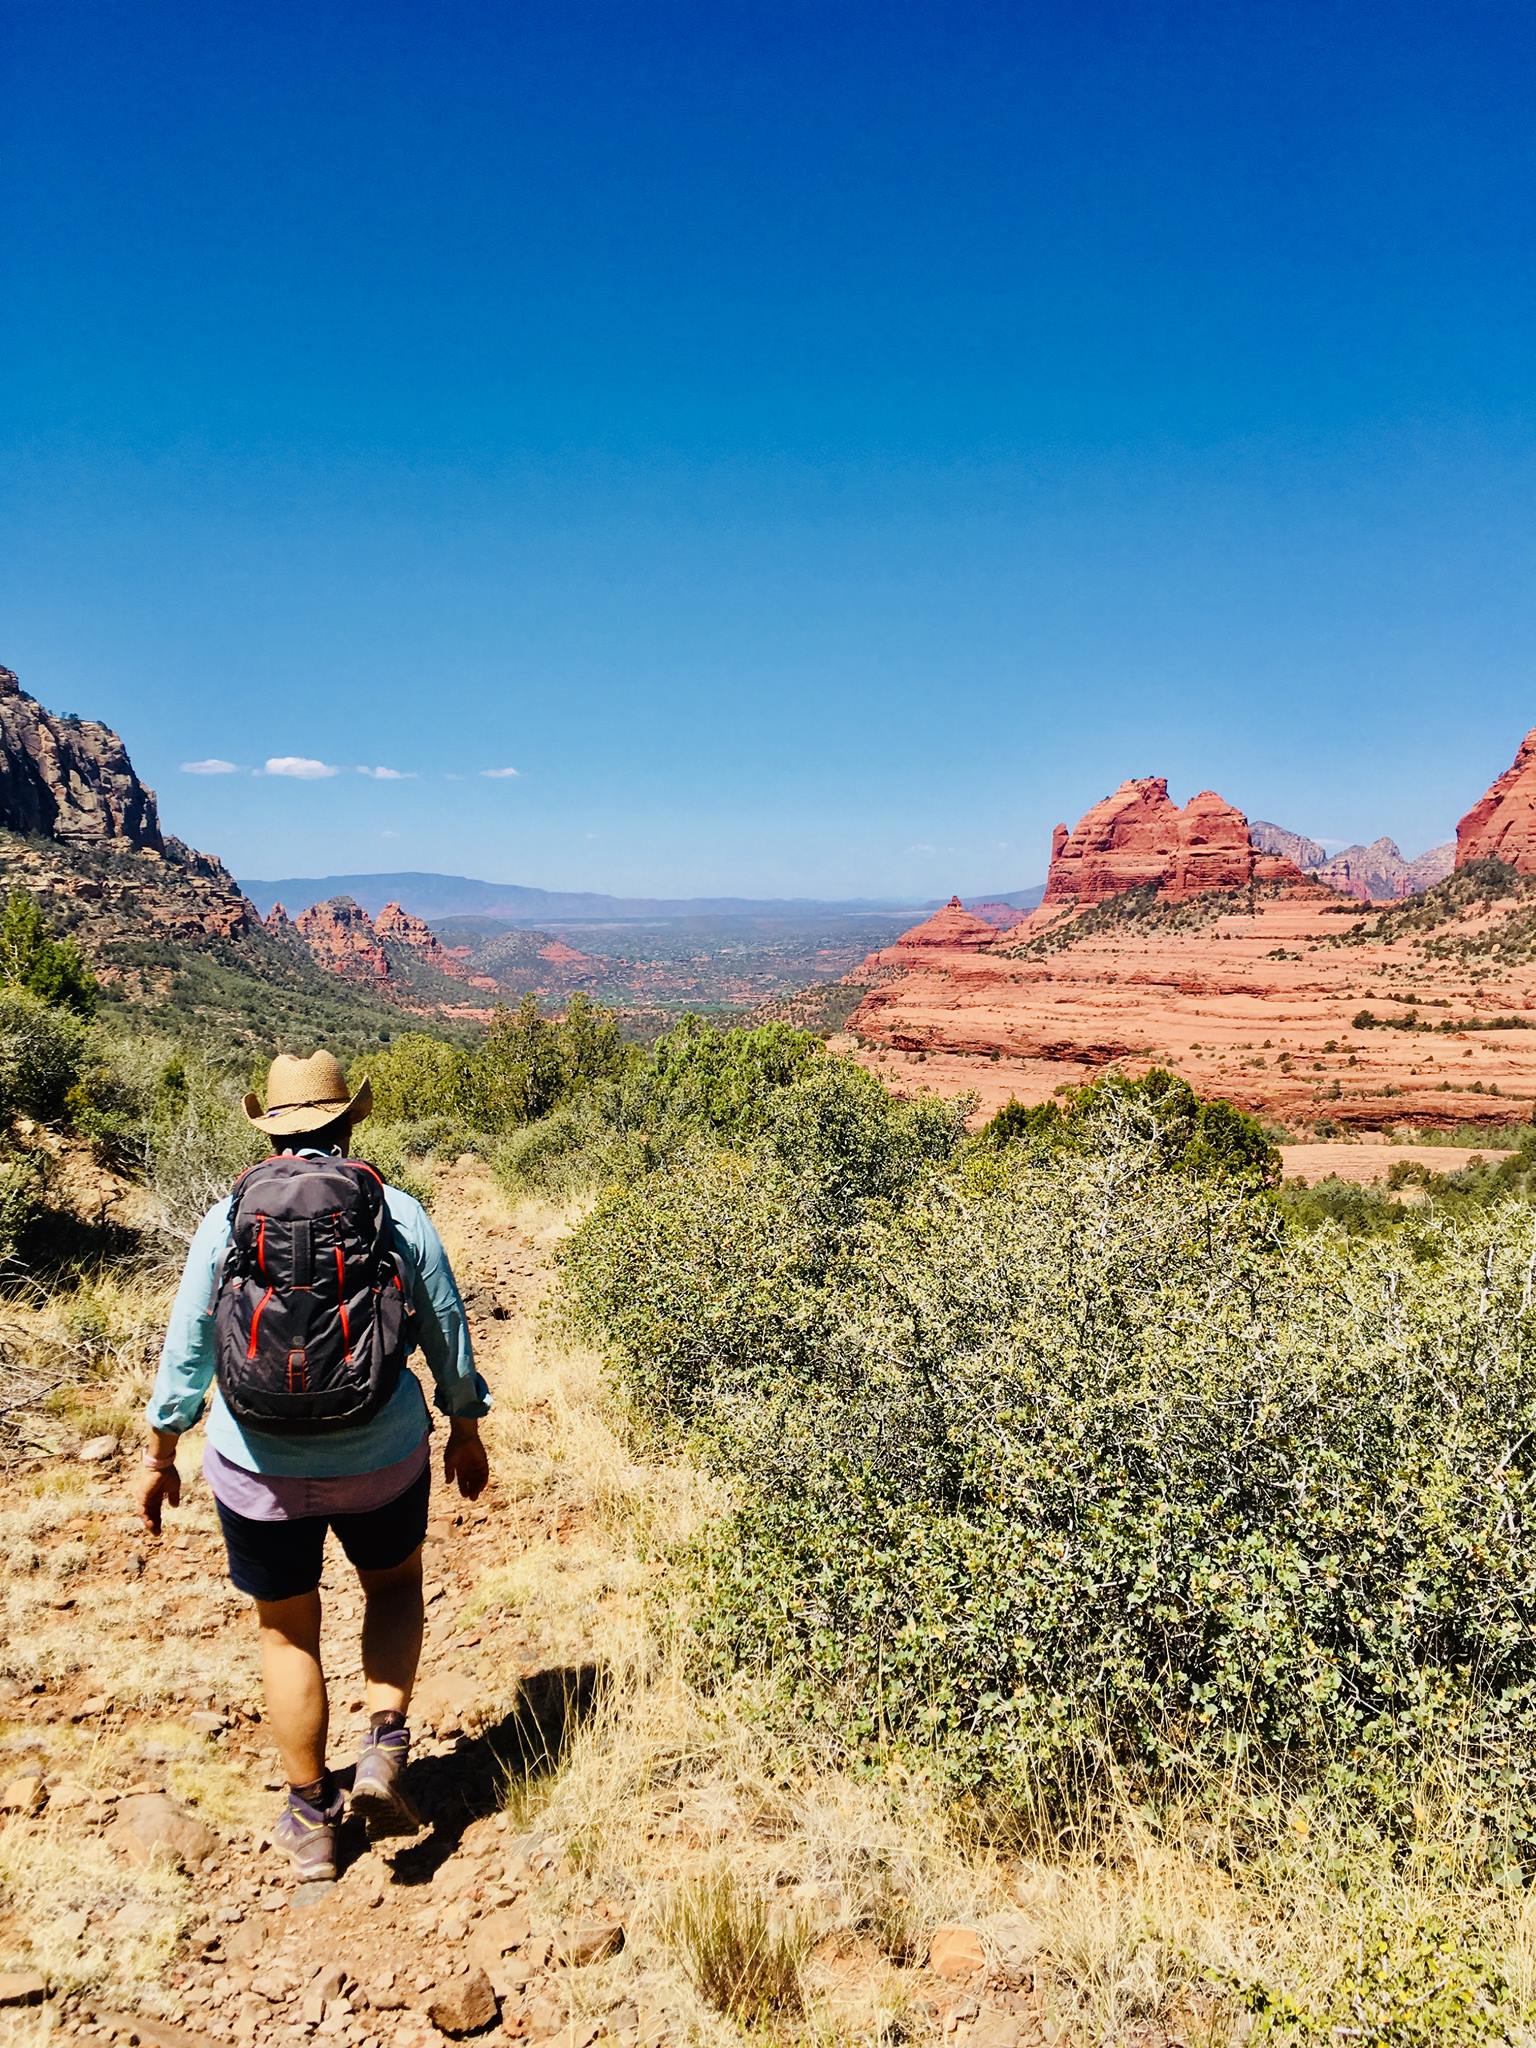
<point x="577" y="1947"/>
<point x="21" y="1987"/>
<point x="151" y="1825"/>
<point x="956" y="1952"/>
<point x="464" y="2005"/>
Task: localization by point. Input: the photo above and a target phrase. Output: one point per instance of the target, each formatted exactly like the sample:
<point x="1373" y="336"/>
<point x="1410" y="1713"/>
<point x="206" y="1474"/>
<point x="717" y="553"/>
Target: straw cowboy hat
<point x="306" y="1095"/>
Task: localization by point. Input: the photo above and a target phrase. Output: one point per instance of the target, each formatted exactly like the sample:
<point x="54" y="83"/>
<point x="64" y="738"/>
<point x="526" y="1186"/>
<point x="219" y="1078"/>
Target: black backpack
<point x="312" y="1322"/>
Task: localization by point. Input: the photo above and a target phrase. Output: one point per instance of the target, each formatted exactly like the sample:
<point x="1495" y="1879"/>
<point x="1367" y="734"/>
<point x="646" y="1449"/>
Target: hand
<point x="464" y="1461"/>
<point x="157" y="1490"/>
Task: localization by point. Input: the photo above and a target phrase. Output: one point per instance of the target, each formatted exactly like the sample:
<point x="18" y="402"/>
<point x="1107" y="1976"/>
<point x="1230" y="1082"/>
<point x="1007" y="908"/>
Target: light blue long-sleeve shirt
<point x="187" y="1362"/>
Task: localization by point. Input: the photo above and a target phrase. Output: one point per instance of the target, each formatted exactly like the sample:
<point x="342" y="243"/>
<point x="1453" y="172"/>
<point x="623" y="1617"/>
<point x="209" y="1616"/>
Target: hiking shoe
<point x="378" y="1794"/>
<point x="307" y="1837"/>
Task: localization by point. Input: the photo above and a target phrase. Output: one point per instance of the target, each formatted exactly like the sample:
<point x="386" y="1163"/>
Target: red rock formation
<point x="1139" y="838"/>
<point x="952" y="926"/>
<point x="277" y="921"/>
<point x="341" y="937"/>
<point x="1503" y="825"/>
<point x="402" y="927"/>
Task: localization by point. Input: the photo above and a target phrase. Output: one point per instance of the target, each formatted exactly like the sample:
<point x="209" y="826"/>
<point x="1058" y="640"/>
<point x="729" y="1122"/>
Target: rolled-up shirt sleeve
<point x="442" y="1328"/>
<point x="187" y="1355"/>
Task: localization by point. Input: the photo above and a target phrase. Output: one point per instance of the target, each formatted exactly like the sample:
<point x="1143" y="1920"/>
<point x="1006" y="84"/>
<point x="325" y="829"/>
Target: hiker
<point x="303" y="1294"/>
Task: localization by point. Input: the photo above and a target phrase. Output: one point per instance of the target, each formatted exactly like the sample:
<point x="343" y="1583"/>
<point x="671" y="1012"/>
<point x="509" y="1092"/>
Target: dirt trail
<point x="407" y="1927"/>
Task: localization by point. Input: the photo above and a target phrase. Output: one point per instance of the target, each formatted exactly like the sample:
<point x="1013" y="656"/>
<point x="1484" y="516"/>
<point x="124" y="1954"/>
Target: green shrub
<point x="1068" y="1465"/>
<point x="711" y="1273"/>
<point x="23" y="1201"/>
<point x="1201" y="1135"/>
<point x="418" y="1078"/>
<point x="525" y="1067"/>
<point x="698" y="1080"/>
<point x="42" y="1052"/>
<point x="49" y="968"/>
<point x="1419" y="1985"/>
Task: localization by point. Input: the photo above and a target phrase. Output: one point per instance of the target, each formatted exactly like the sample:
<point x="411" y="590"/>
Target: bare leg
<point x="294" y="1684"/>
<point x="393" y="1618"/>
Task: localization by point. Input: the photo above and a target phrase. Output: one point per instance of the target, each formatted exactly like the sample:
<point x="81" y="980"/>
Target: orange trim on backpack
<point x="250" y="1349"/>
<point x="341" y="1287"/>
<point x="261" y="1245"/>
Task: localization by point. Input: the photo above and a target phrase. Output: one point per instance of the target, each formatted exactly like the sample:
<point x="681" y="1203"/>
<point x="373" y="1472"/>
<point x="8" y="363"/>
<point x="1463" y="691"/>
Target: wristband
<point x="154" y="1464"/>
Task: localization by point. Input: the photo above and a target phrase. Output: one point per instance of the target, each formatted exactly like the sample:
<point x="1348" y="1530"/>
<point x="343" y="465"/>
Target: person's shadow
<point x="472" y="1780"/>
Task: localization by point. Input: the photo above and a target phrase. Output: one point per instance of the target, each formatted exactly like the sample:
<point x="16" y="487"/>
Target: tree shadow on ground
<point x="472" y="1780"/>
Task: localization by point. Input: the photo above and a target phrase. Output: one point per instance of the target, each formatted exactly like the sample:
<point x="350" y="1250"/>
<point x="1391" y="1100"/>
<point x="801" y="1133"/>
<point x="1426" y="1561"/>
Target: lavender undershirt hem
<point x="269" y="1497"/>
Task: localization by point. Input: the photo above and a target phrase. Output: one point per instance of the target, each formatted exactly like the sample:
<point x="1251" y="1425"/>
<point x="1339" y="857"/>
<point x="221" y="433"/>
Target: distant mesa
<point x="341" y="937"/>
<point x="1139" y="838"/>
<point x="1502" y="825"/>
<point x="1379" y="872"/>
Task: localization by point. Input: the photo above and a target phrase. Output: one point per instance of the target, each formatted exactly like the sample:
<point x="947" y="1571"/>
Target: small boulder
<point x="97" y="1450"/>
<point x="463" y="2005"/>
<point x="150" y="1825"/>
<point x="956" y="1952"/>
<point x="21" y="1987"/>
<point x="494" y="1936"/>
<point x="26" y="1794"/>
<point x="593" y="1942"/>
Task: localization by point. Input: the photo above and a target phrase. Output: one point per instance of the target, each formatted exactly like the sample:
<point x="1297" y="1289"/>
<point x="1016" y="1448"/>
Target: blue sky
<point x="817" y="446"/>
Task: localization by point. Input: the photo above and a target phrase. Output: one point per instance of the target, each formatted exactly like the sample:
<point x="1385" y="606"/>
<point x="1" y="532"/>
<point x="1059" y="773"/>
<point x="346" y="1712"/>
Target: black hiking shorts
<point x="280" y="1560"/>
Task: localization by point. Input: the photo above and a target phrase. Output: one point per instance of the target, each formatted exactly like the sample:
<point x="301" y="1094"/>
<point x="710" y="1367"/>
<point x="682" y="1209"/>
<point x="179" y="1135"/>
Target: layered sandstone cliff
<point x="1139" y="838"/>
<point x="1502" y="825"/>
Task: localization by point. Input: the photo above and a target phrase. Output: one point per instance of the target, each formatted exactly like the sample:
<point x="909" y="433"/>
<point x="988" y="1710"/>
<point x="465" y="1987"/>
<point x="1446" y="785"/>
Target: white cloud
<point x="212" y="766"/>
<point x="389" y="774"/>
<point x="389" y="833"/>
<point x="300" y="767"/>
<point x="498" y="774"/>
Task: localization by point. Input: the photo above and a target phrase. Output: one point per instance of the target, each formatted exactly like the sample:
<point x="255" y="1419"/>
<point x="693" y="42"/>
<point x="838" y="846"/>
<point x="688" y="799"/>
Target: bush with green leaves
<point x="711" y="1275"/>
<point x="525" y="1067"/>
<point x="23" y="1202"/>
<point x="51" y="969"/>
<point x="1072" y="1464"/>
<point x="1200" y="1134"/>
<point x="43" y="1051"/>
<point x="699" y="1080"/>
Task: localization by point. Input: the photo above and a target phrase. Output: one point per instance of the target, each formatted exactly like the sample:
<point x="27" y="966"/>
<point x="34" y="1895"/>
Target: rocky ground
<point x="137" y="1903"/>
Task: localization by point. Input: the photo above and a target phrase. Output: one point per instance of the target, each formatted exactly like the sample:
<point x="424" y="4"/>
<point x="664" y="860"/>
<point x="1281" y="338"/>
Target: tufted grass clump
<point x="744" y="1961"/>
